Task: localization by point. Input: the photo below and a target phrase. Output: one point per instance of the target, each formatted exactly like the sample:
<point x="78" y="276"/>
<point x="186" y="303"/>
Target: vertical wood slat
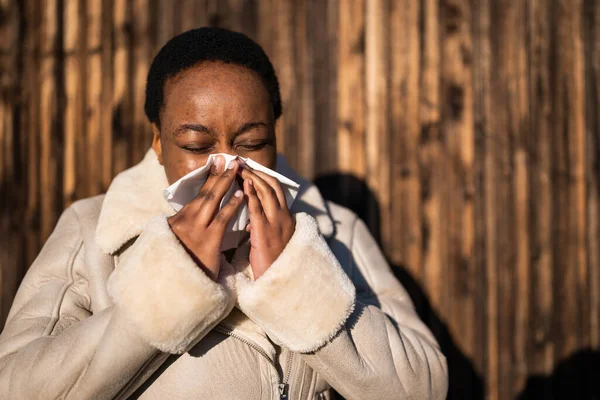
<point x="502" y="216"/>
<point x="541" y="301"/>
<point x="480" y="68"/>
<point x="591" y="12"/>
<point x="518" y="111"/>
<point x="405" y="132"/>
<point x="122" y="95"/>
<point x="457" y="125"/>
<point x="569" y="151"/>
<point x="432" y="164"/>
<point x="482" y="52"/>
<point x="11" y="213"/>
<point x="30" y="123"/>
<point x="73" y="108"/>
<point x="304" y="77"/>
<point x="578" y="156"/>
<point x="325" y="44"/>
<point x="93" y="94"/>
<point x="350" y="88"/>
<point x="283" y="55"/>
<point x="48" y="101"/>
<point x="377" y="143"/>
<point x="141" y="53"/>
<point x="106" y="108"/>
<point x="166" y="25"/>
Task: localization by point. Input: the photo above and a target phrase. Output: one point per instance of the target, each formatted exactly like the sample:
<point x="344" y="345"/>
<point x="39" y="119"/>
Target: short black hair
<point x="207" y="44"/>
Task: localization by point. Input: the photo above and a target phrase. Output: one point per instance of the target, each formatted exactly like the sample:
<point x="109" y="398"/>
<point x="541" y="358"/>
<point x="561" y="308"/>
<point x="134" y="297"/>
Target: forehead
<point x="218" y="90"/>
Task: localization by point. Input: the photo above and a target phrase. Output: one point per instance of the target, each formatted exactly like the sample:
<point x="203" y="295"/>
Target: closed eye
<point x="251" y="146"/>
<point x="198" y="150"/>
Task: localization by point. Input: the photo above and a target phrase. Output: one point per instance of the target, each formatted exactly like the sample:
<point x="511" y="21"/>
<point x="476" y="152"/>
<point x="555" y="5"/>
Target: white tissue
<point x="186" y="189"/>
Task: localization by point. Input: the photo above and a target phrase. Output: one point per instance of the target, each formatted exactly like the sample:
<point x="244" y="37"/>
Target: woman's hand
<point x="271" y="223"/>
<point x="198" y="225"/>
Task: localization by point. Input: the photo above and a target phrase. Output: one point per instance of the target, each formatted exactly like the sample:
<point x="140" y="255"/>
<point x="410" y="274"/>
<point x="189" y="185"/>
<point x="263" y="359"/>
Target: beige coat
<point x="114" y="307"/>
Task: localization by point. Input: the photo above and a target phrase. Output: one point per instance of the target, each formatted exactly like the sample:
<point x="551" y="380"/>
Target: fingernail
<point x="231" y="164"/>
<point x="218" y="161"/>
<point x="249" y="182"/>
<point x="238" y="193"/>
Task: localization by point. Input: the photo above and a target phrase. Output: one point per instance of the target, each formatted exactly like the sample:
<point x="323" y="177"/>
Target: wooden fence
<point x="466" y="132"/>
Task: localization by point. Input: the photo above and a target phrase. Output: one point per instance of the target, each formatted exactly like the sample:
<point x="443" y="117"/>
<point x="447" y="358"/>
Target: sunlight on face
<point x="214" y="108"/>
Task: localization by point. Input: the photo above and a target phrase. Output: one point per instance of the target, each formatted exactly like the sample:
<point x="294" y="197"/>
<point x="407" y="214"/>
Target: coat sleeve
<point x="368" y="344"/>
<point x="54" y="347"/>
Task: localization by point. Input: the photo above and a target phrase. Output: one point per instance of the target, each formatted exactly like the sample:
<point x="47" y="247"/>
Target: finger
<point x="212" y="198"/>
<point x="214" y="174"/>
<point x="275" y="184"/>
<point x="257" y="214"/>
<point x="266" y="193"/>
<point x="229" y="210"/>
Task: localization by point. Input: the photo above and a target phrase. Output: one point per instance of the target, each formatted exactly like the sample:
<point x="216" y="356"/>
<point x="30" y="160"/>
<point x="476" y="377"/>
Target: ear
<point x="156" y="144"/>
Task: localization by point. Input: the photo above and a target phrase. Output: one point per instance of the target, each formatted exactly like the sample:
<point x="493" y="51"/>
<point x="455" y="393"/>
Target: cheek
<point x="268" y="158"/>
<point x="178" y="163"/>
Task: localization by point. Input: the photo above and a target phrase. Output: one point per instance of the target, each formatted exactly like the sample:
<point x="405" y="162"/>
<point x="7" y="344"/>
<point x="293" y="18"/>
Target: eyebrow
<point x="194" y="127"/>
<point x="205" y="129"/>
<point x="249" y="126"/>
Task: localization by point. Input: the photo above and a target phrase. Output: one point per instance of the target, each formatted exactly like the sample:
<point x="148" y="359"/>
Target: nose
<point x="226" y="148"/>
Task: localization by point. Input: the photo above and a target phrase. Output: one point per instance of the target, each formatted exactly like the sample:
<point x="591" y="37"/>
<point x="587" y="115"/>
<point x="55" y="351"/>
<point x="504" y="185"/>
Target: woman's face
<point x="214" y="108"/>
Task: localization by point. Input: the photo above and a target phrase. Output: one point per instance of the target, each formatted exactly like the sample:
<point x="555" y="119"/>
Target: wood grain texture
<point x="465" y="132"/>
<point x="591" y="41"/>
<point x="541" y="353"/>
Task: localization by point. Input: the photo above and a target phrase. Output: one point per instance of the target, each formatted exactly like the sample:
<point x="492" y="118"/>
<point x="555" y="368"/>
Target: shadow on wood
<point x="353" y="193"/>
<point x="577" y="377"/>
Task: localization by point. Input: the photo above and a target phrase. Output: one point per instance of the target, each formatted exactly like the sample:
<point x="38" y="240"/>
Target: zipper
<point x="282" y="386"/>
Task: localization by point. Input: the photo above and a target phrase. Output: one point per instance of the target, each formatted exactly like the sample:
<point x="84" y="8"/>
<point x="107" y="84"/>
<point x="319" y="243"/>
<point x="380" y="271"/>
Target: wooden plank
<point x="518" y="114"/>
<point x="49" y="156"/>
<point x="187" y="14"/>
<point x="306" y="90"/>
<point x="122" y="89"/>
<point x="377" y="125"/>
<point x="350" y="88"/>
<point x="283" y="56"/>
<point x="243" y="16"/>
<point x="405" y="133"/>
<point x="540" y="358"/>
<point x="93" y="96"/>
<point x="81" y="172"/>
<point x="483" y="102"/>
<point x="276" y="36"/>
<point x="142" y="132"/>
<point x="9" y="31"/>
<point x="591" y="12"/>
<point x="106" y="108"/>
<point x="434" y="224"/>
<point x="73" y="107"/>
<point x="578" y="159"/>
<point x="481" y="113"/>
<point x="377" y="134"/>
<point x="502" y="213"/>
<point x="30" y="124"/>
<point x="458" y="134"/>
<point x="569" y="176"/>
<point x="325" y="75"/>
<point x="11" y="189"/>
<point x="166" y="25"/>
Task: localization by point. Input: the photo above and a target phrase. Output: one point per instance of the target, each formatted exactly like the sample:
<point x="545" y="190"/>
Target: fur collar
<point x="135" y="196"/>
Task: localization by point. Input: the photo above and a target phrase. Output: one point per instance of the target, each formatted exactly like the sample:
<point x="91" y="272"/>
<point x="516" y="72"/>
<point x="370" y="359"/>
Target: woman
<point x="129" y="299"/>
